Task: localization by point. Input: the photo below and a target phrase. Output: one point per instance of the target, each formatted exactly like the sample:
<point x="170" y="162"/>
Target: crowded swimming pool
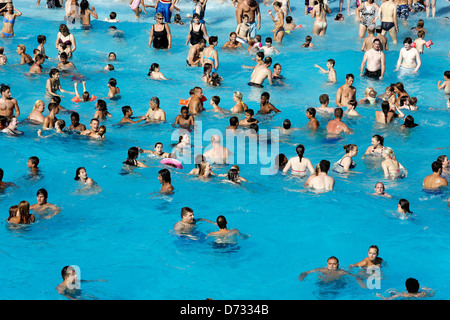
<point x="122" y="231"/>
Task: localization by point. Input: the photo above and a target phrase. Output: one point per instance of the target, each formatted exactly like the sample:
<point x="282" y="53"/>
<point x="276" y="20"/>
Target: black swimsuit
<point x="196" y="35"/>
<point x="160" y="40"/>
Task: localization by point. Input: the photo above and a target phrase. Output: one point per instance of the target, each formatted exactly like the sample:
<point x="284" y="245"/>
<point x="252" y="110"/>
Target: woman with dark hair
<point x="210" y="54"/>
<point x="443" y="159"/>
<point x="299" y="164"/>
<point x="197" y="30"/>
<point x="65" y="37"/>
<point x="81" y="176"/>
<point x="133" y="154"/>
<point x="409" y="122"/>
<point x="377" y="146"/>
<point x="346" y="162"/>
<point x="165" y="180"/>
<point x="403" y="206"/>
<point x="86" y="13"/>
<point x="280" y="161"/>
<point x="386" y="114"/>
<point x="319" y="12"/>
<point x="23" y="215"/>
<point x="154" y="72"/>
<point x="102" y="110"/>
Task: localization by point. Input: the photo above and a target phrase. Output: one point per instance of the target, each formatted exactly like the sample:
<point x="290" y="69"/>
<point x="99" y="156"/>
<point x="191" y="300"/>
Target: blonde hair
<point x="36" y="104"/>
<point x="238" y="95"/>
<point x="21" y="46"/>
<point x="389" y="152"/>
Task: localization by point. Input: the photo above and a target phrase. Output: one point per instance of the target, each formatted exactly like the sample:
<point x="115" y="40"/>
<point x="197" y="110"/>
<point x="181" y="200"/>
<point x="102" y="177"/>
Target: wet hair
<point x="308" y="38"/>
<point x="133" y="153"/>
<point x="280" y="160"/>
<point x="353" y="103"/>
<point x="250" y="112"/>
<point x="349" y="75"/>
<point x="404" y="204"/>
<point x="112" y="82"/>
<point x="233" y="175"/>
<point x="338" y="113"/>
<point x="84" y="4"/>
<point x="300" y="149"/>
<point x="23" y="210"/>
<point x="76" y="115"/>
<point x="41" y="38"/>
<point x="1" y="174"/>
<point x="63" y="55"/>
<point x="324" y="166"/>
<point x="165" y="175"/>
<point x="436" y="166"/>
<point x="287" y="124"/>
<point x="258" y="37"/>
<point x="412" y="101"/>
<point x="332" y="61"/>
<point x="232" y="33"/>
<point x="64" y="272"/>
<point x="43" y="192"/>
<point x="53" y="72"/>
<point x="126" y="109"/>
<point x="110" y="67"/>
<point x="234" y="121"/>
<point x="202" y="41"/>
<point x="420" y="23"/>
<point x="379" y="138"/>
<point x="56" y="100"/>
<point x="213" y="39"/>
<point x="385" y="109"/>
<point x="333" y="258"/>
<point x="407" y="40"/>
<point x="51" y="106"/>
<point x="195" y="16"/>
<point x="101" y="130"/>
<point x="269" y="39"/>
<point x="441" y="158"/>
<point x="238" y="95"/>
<point x="22" y="47"/>
<point x="421" y="33"/>
<point x="101" y="105"/>
<point x="447" y="74"/>
<point x="260" y="54"/>
<point x="185" y="211"/>
<point x="277" y="4"/>
<point x="12" y="211"/>
<point x="288" y="19"/>
<point x="339" y="16"/>
<point x="412" y="285"/>
<point x="349" y="147"/>
<point x="268" y="60"/>
<point x="266" y="95"/>
<point x="207" y="68"/>
<point x="215" y="79"/>
<point x="254" y="127"/>
<point x="215" y="99"/>
<point x="77" y="172"/>
<point x="34" y="160"/>
<point x="324" y="98"/>
<point x="409" y="122"/>
<point x="112" y="15"/>
<point x="184" y="108"/>
<point x="311" y="111"/>
<point x="221" y="222"/>
<point x="37" y="103"/>
<point x="3" y="121"/>
<point x="177" y="17"/>
<point x="152" y="68"/>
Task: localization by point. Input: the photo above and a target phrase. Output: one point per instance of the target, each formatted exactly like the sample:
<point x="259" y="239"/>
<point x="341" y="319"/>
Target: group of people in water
<point x="203" y="53"/>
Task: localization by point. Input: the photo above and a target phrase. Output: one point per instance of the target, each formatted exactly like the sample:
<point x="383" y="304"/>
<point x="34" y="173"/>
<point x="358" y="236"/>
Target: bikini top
<point x="66" y="42"/>
<point x="210" y="57"/>
<point x="10" y="21"/>
<point x="352" y="165"/>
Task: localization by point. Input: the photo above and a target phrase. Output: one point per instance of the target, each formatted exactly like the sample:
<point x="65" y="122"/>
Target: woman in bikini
<point x="367" y="13"/>
<point x="53" y="84"/>
<point x="210" y="54"/>
<point x="160" y="34"/>
<point x="386" y="115"/>
<point x="197" y="31"/>
<point x="278" y="29"/>
<point x="23" y="215"/>
<point x="64" y="36"/>
<point x="9" y="18"/>
<point x="240" y="106"/>
<point x="391" y="167"/>
<point x="299" y="164"/>
<point x="86" y="13"/>
<point x="376" y="148"/>
<point x="319" y="12"/>
<point x="346" y="162"/>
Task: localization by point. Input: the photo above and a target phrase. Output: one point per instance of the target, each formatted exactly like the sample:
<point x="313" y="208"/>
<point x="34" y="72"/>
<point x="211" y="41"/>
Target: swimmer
<point x="132" y="161"/>
<point x="113" y="90"/>
<point x="23" y="215"/>
<point x="70" y="287"/>
<point x="94" y="124"/>
<point x="154" y="72"/>
<point x="391" y="167"/>
<point x="443" y="159"/>
<point x="240" y="106"/>
<point x="157" y="152"/>
<point x="260" y="73"/>
<point x="184" y="119"/>
<point x="24" y="57"/>
<point x="217" y="153"/>
<point x="313" y="123"/>
<point x="194" y="57"/>
<point x="243" y="30"/>
<point x="195" y="103"/>
<point x="75" y="123"/>
<point x="127" y="114"/>
<point x="234" y="124"/>
<point x="376" y="148"/>
<point x="332" y="78"/>
<point x="112" y="17"/>
<point x="8" y="105"/>
<point x="45" y="209"/>
<point x="3" y="58"/>
<point x="214" y="102"/>
<point x="268" y="49"/>
<point x="409" y="57"/>
<point x="235" y="174"/>
<point x="278" y="29"/>
<point x="299" y="164"/>
<point x="276" y="74"/>
<point x="85" y="97"/>
<point x="322" y="181"/>
<point x="346" y="162"/>
<point x="11" y="128"/>
<point x="380" y="190"/>
<point x="435" y="180"/>
<point x="59" y="128"/>
<point x="102" y="110"/>
<point x="232" y="43"/>
<point x="36" y="67"/>
<point x="403" y="207"/>
<point x="265" y="106"/>
<point x="386" y="115"/>
<point x="65" y="37"/>
<point x="382" y="37"/>
<point x="336" y="126"/>
<point x="210" y="54"/>
<point x="81" y="176"/>
<point x="351" y="106"/>
<point x="86" y="12"/>
<point x="287" y="127"/>
<point x="419" y="43"/>
<point x="290" y="26"/>
<point x="248" y="120"/>
<point x="155" y="113"/>
<point x="324" y="100"/>
<point x="223" y="231"/>
<point x="370" y="97"/>
<point x="165" y="181"/>
<point x="412" y="291"/>
<point x="372" y="259"/>
<point x="64" y="64"/>
<point x="188" y="223"/>
<point x="446" y="83"/>
<point x="346" y="92"/>
<point x="409" y="123"/>
<point x="32" y="164"/>
<point x="376" y="62"/>
<point x="4" y="185"/>
<point x="331" y="272"/>
<point x="53" y="83"/>
<point x="368" y="41"/>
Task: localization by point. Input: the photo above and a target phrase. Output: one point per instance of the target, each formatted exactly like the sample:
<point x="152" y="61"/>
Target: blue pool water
<point x="123" y="234"/>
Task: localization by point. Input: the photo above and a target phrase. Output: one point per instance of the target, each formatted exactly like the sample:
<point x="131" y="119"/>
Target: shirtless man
<point x="251" y="9"/>
<point x="95" y="124"/>
<point x="330" y="273"/>
<point x="403" y="9"/>
<point x="346" y="92"/>
<point x="223" y="231"/>
<point x="380" y="190"/>
<point x="313" y="123"/>
<point x="218" y="153"/>
<point x="388" y="17"/>
<point x="324" y="100"/>
<point x="7" y="104"/>
<point x="322" y="181"/>
<point x="45" y="209"/>
<point x="265" y="106"/>
<point x="155" y="113"/>
<point x="195" y="104"/>
<point x="260" y="73"/>
<point x="50" y="120"/>
<point x="367" y="43"/>
<point x="434" y="180"/>
<point x="376" y="62"/>
<point x="194" y="57"/>
<point x="157" y="152"/>
<point x="188" y="222"/>
<point x="336" y="126"/>
<point x="382" y="37"/>
<point x="37" y="65"/>
<point x="184" y="119"/>
<point x="409" y="57"/>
